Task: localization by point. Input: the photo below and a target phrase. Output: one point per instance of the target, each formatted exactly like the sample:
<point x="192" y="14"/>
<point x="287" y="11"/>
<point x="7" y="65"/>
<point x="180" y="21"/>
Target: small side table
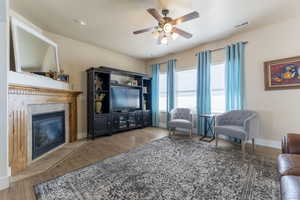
<point x="209" y="127"/>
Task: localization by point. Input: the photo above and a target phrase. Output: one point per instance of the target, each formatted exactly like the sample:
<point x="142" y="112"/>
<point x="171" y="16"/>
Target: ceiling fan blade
<point x="188" y="17"/>
<point x="182" y="33"/>
<point x="143" y="30"/>
<point x="155" y="14"/>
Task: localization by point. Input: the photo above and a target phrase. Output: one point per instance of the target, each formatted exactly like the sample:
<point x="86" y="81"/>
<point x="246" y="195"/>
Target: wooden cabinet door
<point x="147" y="118"/>
<point x="139" y="119"/>
<point x="102" y="125"/>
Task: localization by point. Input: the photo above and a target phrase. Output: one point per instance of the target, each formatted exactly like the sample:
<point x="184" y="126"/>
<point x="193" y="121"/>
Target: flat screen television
<point x="125" y="98"/>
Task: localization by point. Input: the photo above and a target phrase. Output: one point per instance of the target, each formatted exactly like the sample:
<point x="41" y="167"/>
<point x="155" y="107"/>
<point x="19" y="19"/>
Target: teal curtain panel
<point x="155" y="94"/>
<point x="171" y="87"/>
<point x="234" y="76"/>
<point x="203" y="88"/>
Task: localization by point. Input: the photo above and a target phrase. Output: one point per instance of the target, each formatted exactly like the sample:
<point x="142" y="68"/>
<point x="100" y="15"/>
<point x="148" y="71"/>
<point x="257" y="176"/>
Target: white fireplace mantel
<point x="28" y="79"/>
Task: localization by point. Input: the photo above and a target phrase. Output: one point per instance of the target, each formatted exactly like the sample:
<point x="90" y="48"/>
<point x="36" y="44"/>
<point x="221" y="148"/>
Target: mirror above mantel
<point x="34" y="53"/>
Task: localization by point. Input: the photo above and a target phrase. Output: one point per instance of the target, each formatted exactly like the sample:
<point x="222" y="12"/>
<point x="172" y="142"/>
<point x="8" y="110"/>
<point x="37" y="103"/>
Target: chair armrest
<point x="246" y="122"/>
<point x="171" y="114"/>
<point x="291" y="143"/>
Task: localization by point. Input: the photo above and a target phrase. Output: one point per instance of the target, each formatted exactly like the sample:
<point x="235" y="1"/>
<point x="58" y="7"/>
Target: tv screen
<point x="125" y="98"/>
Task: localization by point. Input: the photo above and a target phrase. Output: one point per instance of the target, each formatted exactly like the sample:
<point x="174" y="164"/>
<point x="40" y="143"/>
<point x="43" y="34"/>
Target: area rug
<point x="169" y="169"/>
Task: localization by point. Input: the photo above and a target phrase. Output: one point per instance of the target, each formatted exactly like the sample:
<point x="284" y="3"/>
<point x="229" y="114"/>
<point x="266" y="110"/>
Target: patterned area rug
<point x="169" y="169"/>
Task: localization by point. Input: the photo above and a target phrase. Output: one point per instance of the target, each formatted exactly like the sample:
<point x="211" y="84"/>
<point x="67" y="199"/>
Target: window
<point x="162" y="92"/>
<point x="218" y="88"/>
<point x="186" y="86"/>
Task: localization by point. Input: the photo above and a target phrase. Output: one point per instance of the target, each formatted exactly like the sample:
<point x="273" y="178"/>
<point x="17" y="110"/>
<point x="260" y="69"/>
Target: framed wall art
<point x="282" y="74"/>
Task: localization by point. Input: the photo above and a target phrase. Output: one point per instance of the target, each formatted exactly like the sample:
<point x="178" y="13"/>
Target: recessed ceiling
<point x="110" y="23"/>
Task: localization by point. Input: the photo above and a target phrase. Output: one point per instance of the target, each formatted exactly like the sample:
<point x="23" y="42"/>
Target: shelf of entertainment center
<point x="124" y="85"/>
<point x="103" y="91"/>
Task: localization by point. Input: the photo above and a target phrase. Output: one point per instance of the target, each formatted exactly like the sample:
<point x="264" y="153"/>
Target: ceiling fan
<point x="167" y="26"/>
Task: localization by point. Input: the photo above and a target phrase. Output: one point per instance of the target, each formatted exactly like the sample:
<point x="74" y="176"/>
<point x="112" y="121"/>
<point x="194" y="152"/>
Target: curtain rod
<point x="213" y="50"/>
<point x="219" y="49"/>
<point x="166" y="62"/>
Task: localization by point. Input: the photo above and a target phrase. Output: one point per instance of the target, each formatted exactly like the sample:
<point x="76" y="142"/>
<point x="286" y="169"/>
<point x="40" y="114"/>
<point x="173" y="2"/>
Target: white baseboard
<point x="4" y="182"/>
<point x="261" y="142"/>
<point x="162" y="125"/>
<point x="268" y="143"/>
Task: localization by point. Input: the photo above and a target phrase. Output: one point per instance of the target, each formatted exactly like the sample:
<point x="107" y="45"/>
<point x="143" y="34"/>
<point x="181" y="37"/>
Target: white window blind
<point x="218" y="88"/>
<point x="186" y="85"/>
<point x="162" y="92"/>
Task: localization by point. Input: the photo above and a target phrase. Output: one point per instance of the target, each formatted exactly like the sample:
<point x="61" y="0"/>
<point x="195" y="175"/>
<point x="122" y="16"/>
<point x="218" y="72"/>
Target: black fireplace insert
<point x="48" y="132"/>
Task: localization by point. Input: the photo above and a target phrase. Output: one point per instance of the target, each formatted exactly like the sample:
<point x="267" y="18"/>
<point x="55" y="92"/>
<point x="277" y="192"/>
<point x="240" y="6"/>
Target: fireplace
<point x="48" y="132"/>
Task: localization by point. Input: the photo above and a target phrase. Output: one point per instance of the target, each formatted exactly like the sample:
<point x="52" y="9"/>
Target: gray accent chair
<point x="180" y="118"/>
<point x="241" y="124"/>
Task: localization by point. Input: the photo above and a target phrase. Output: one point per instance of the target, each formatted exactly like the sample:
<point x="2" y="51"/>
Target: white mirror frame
<point x="15" y="24"/>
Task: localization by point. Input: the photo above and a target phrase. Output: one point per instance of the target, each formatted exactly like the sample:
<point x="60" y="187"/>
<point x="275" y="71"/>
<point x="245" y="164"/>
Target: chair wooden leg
<point x="170" y="132"/>
<point x="190" y="132"/>
<point x="253" y="144"/>
<point x="216" y="138"/>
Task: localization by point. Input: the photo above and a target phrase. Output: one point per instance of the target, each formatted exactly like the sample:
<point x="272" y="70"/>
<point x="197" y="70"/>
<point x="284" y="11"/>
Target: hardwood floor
<point x="99" y="149"/>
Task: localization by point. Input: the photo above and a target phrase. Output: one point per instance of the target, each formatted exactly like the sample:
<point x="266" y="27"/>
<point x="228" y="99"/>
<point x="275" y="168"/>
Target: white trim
<point x="268" y="143"/>
<point x="15" y="24"/>
<point x="4" y="182"/>
<point x="260" y="142"/>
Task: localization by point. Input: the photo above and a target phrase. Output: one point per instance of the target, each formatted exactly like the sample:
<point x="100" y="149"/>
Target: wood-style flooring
<point x="99" y="149"/>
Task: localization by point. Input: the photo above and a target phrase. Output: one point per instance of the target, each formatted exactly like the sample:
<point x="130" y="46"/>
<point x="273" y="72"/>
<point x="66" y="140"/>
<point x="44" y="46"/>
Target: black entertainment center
<point x="117" y="101"/>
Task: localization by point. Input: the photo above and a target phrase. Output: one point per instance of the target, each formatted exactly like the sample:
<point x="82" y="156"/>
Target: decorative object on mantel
<point x="61" y="76"/>
<point x="282" y="74"/>
<point x="20" y="98"/>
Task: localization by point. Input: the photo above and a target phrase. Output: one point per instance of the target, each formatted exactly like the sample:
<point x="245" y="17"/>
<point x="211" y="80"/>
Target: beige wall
<point x="76" y="57"/>
<point x="279" y="110"/>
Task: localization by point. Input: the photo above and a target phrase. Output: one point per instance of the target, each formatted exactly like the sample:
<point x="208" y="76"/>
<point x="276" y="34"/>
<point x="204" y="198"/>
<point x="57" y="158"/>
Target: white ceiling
<point x="110" y="23"/>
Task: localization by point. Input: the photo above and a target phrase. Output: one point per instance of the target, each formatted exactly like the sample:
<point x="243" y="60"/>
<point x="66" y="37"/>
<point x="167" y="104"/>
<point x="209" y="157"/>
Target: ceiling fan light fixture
<point x="164" y="40"/>
<point x="174" y="36"/>
<point x="168" y="27"/>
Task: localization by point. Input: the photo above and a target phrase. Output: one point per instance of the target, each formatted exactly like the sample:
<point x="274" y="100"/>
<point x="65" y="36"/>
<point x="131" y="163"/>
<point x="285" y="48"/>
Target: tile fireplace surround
<point x="24" y="101"/>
